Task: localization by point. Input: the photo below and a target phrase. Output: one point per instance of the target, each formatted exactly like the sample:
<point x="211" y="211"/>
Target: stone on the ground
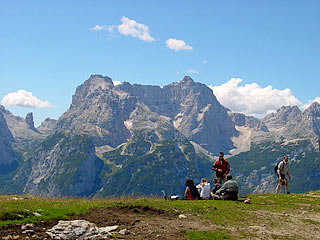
<point x="17" y="198"/>
<point x="7" y="237"/>
<point x="36" y="214"/>
<point x="79" y="230"/>
<point x="28" y="231"/>
<point x="181" y="216"/>
<point x="247" y="201"/>
<point x="124" y="232"/>
<point x="108" y="229"/>
<point x="27" y="226"/>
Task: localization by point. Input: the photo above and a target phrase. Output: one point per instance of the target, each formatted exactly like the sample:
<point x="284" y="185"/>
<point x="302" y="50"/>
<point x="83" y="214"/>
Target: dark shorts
<point x="282" y="176"/>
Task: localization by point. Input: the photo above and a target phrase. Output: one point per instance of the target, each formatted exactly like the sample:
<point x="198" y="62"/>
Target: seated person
<point x="191" y="192"/>
<point x="216" y="185"/>
<point x="228" y="191"/>
<point x="204" y="188"/>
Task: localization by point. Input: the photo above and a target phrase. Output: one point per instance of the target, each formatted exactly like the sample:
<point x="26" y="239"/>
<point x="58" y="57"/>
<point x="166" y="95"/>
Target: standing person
<point x="204" y="188"/>
<point x="283" y="170"/>
<point x="221" y="167"/>
<point x="191" y="192"/>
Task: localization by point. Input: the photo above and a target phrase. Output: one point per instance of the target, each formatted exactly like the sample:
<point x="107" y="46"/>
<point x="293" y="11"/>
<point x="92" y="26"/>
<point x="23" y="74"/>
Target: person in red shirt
<point x="191" y="192"/>
<point x="221" y="167"/>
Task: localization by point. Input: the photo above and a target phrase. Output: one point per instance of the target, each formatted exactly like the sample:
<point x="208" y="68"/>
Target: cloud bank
<point x="192" y="71"/>
<point x="98" y="28"/>
<point x="130" y="27"/>
<point x="252" y="99"/>
<point x="115" y="83"/>
<point x="23" y="98"/>
<point x="177" y="45"/>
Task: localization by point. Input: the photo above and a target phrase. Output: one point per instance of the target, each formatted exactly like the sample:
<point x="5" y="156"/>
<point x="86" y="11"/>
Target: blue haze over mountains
<point x="132" y="139"/>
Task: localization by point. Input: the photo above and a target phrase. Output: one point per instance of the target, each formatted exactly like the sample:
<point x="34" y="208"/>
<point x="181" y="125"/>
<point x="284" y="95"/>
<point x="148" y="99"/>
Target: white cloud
<point x="193" y="71"/>
<point x="115" y="83"/>
<point x="103" y="28"/>
<point x="23" y="98"/>
<point x="130" y="27"/>
<point x="251" y="99"/>
<point x="308" y="104"/>
<point x="177" y="45"/>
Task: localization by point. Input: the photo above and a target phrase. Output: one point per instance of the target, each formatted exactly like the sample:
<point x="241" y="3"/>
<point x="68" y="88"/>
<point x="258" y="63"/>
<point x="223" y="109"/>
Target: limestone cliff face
<point x="30" y="122"/>
<point x="291" y="123"/>
<point x="47" y="127"/>
<point x="8" y="160"/>
<point x="311" y="118"/>
<point x="63" y="165"/>
<point x="253" y="123"/>
<point x="99" y="111"/>
<point x="102" y="110"/>
<point x="284" y="116"/>
<point x="22" y="130"/>
<point x="193" y="109"/>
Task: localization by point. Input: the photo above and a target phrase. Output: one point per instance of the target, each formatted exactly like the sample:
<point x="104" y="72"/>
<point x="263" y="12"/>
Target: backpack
<point x="276" y="167"/>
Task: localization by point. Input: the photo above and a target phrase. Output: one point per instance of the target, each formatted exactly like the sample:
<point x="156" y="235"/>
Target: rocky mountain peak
<point x="312" y="115"/>
<point x="98" y="82"/>
<point x="95" y="85"/>
<point x="30" y="122"/>
<point x="288" y="111"/>
<point x="314" y="107"/>
<point x="99" y="78"/>
<point x="284" y="115"/>
<point x="187" y="79"/>
<point x="47" y="126"/>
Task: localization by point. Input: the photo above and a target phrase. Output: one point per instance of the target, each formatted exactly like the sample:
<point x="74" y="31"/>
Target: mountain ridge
<point x="141" y="131"/>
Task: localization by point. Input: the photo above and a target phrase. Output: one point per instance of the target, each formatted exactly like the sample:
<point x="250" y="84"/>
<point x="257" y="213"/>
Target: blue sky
<point x="264" y="50"/>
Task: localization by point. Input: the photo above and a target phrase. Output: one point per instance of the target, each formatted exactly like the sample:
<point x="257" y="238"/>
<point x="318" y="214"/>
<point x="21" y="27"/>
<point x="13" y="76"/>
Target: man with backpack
<point x="282" y="169"/>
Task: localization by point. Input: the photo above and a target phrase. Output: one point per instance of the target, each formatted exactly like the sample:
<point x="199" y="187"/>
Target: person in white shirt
<point x="204" y="189"/>
<point x="283" y="170"/>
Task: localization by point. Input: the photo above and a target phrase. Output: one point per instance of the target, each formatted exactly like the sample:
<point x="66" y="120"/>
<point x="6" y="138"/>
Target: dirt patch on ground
<point x="141" y="223"/>
<point x="272" y="225"/>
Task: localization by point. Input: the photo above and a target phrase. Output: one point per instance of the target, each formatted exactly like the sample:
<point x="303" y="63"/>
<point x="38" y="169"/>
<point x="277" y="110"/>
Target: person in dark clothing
<point x="216" y="187"/>
<point x="221" y="167"/>
<point x="228" y="191"/>
<point x="191" y="192"/>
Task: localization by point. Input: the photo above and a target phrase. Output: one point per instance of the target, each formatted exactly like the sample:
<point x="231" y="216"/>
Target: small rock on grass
<point x="36" y="214"/>
<point x="182" y="216"/>
<point x="124" y="232"/>
<point x="27" y="226"/>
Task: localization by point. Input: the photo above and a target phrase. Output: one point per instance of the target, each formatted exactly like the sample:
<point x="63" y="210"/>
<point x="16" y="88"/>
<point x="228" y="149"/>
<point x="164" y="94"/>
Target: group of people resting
<point x="224" y="186"/>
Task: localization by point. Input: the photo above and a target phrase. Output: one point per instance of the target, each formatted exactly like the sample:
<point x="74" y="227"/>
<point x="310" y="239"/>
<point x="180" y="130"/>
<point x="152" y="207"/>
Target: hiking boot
<point x="288" y="192"/>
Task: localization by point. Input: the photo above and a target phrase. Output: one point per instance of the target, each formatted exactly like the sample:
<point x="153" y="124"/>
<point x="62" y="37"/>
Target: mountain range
<point x="132" y="139"/>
